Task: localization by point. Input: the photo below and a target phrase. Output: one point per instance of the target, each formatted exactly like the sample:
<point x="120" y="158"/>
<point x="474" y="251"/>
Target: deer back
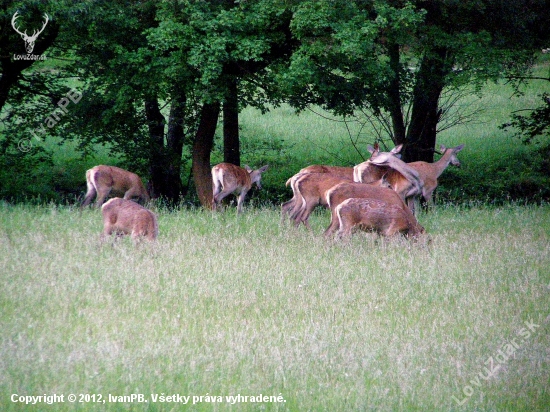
<point x="346" y="172"/>
<point x="232" y="177"/>
<point x="128" y="217"/>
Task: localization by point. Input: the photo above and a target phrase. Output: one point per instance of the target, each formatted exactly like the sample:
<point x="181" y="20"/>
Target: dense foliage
<point x="155" y="76"/>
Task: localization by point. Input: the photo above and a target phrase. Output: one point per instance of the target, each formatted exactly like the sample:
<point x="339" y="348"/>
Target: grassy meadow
<point x="225" y="305"/>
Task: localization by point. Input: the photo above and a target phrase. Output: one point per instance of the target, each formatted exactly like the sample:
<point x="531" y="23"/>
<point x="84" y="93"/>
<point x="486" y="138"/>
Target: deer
<point x="344" y="191"/>
<point x="403" y="178"/>
<point x="378" y="216"/>
<point x="228" y="178"/>
<point x="291" y="206"/>
<point x="309" y="191"/>
<point x="430" y="172"/>
<point x="125" y="217"/>
<point x="29" y="40"/>
<point x="102" y="180"/>
<point x="312" y="188"/>
<point x="346" y="172"/>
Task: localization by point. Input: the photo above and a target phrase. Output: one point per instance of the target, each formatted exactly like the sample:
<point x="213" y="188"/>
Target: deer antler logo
<point x="29" y="40"/>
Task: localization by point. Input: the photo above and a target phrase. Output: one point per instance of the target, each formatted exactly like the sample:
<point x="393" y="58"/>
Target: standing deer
<point x="376" y="215"/>
<point x="430" y="172"/>
<point x="313" y="187"/>
<point x="291" y="206"/>
<point x="342" y="171"/>
<point x="125" y="217"/>
<point x="102" y="180"/>
<point x="228" y="178"/>
<point x="403" y="178"/>
<point x="309" y="191"/>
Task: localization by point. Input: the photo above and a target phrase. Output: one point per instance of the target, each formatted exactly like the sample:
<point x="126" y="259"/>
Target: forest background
<point x="167" y="89"/>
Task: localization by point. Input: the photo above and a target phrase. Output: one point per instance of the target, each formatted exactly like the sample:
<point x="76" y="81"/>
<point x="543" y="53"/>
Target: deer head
<point x="29" y="40"/>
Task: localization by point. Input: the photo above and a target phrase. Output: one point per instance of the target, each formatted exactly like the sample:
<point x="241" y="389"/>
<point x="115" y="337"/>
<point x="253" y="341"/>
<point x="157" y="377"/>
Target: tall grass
<point x="226" y="305"/>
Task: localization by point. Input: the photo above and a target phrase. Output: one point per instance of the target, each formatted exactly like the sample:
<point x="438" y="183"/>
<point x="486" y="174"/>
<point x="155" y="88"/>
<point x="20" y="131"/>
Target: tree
<point x="11" y="44"/>
<point x="397" y="57"/>
<point x="190" y="56"/>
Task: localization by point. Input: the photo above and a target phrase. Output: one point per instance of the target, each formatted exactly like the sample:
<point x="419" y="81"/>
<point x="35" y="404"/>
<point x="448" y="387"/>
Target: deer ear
<point x="442" y="148"/>
<point x="459" y="148"/>
<point x="370" y="148"/>
<point x="263" y="168"/>
<point x="247" y="168"/>
<point x="396" y="149"/>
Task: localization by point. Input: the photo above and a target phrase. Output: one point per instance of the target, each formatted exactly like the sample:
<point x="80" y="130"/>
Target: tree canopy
<point x="155" y="76"/>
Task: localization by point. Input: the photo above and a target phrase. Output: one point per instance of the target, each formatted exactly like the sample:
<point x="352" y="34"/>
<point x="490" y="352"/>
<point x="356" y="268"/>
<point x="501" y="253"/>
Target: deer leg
<point x="217" y="188"/>
<point x="334" y="224"/>
<point x="216" y="199"/>
<point x="89" y="196"/>
<point x="306" y="211"/>
<point x="286" y="207"/>
<point x="411" y="203"/>
<point x="240" y="201"/>
<point x="102" y="193"/>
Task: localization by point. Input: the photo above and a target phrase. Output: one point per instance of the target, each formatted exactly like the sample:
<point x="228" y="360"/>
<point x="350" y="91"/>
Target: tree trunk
<point x="174" y="147"/>
<point x="231" y="145"/>
<point x="165" y="160"/>
<point x="155" y="123"/>
<point x="394" y="94"/>
<point x="422" y="131"/>
<point x="202" y="146"/>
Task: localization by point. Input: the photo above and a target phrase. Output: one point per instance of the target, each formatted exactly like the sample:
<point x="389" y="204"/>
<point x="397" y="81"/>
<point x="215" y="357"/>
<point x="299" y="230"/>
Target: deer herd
<point x="379" y="195"/>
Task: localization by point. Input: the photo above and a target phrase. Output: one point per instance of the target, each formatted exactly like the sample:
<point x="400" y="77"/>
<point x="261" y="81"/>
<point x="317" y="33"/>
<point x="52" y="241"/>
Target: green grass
<point x="227" y="305"/>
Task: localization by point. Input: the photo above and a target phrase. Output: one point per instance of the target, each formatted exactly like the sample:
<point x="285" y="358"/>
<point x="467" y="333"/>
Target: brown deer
<point x="430" y="172"/>
<point x="310" y="191"/>
<point x="294" y="205"/>
<point x="313" y="187"/>
<point x="403" y="178"/>
<point x="228" y="178"/>
<point x="290" y="207"/>
<point x="103" y="180"/>
<point x="344" y="191"/>
<point x="342" y="171"/>
<point x="125" y="217"/>
<point x="376" y="215"/>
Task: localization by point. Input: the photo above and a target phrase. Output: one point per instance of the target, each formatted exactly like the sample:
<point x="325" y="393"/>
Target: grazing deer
<point x="403" y="178"/>
<point x="125" y="217"/>
<point x="313" y="187"/>
<point x="102" y="180"/>
<point x="376" y="215"/>
<point x="228" y="178"/>
<point x="429" y="172"/>
<point x="344" y="191"/>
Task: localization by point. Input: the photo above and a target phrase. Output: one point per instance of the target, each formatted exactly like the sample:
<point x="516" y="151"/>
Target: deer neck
<point x="439" y="166"/>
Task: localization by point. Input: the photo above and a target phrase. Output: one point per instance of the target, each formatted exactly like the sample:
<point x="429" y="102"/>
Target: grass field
<point x="225" y="305"/>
